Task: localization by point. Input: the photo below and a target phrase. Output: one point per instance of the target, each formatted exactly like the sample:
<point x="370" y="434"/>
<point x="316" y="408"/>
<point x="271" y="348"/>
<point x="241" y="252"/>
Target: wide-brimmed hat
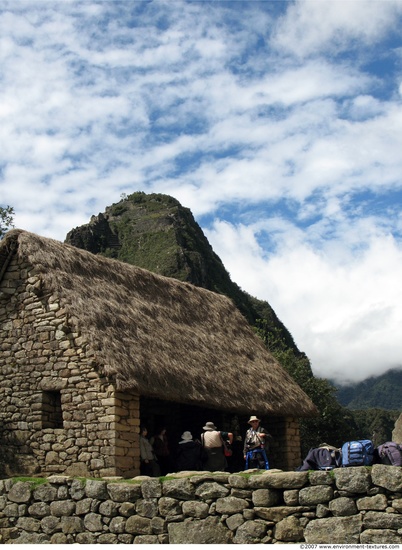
<point x="253" y="418"/>
<point x="187" y="436"/>
<point x="210" y="426"/>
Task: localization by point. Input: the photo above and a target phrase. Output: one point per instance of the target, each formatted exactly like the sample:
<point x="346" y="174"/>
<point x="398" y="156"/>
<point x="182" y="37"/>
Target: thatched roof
<point x="163" y="337"/>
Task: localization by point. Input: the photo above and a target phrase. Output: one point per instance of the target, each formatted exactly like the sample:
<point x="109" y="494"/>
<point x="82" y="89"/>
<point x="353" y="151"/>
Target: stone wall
<point x="345" y="506"/>
<point x="286" y="434"/>
<point x="58" y="413"/>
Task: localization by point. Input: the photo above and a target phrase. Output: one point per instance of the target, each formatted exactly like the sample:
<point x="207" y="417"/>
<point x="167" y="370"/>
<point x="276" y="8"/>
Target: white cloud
<point x="311" y="26"/>
<point x="343" y="309"/>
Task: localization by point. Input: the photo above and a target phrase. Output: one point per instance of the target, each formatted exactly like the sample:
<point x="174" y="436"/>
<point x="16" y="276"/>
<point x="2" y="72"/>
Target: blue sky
<point x="279" y="124"/>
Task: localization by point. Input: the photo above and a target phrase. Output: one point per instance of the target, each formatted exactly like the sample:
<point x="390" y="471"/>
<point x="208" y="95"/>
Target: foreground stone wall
<point x="350" y="505"/>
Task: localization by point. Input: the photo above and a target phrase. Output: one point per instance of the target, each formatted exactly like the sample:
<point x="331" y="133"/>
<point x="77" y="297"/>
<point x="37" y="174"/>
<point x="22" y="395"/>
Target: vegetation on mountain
<point x="383" y="391"/>
<point x="335" y="424"/>
<point x="375" y="424"/>
<point x="155" y="232"/>
<point x="6" y="219"/>
<point x="375" y="404"/>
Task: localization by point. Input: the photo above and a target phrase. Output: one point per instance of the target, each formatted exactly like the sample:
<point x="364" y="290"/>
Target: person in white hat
<point x="256" y="437"/>
<point x="188" y="453"/>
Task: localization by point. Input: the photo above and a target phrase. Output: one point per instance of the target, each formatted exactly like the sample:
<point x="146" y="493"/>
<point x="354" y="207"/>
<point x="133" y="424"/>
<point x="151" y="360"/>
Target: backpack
<point x="358" y="453"/>
<point x="321" y="458"/>
<point x="390" y="453"/>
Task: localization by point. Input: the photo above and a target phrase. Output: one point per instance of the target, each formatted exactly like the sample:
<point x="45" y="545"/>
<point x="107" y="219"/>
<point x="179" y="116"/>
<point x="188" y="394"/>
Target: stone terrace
<point x="347" y="506"/>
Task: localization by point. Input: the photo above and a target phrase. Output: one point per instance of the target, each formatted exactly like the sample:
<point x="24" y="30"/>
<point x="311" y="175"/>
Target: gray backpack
<point x="390" y="453"/>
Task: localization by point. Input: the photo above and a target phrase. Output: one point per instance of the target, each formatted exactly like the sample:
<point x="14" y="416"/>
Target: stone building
<point x="91" y="347"/>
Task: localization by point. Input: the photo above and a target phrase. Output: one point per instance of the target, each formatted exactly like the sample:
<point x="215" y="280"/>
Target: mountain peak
<point x="156" y="232"/>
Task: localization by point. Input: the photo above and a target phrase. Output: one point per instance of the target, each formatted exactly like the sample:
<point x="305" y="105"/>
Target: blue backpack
<point x="357" y="453"/>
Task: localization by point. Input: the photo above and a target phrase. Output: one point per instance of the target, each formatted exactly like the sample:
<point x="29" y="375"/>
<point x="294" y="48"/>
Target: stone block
<point x="318" y="494"/>
<point x="138" y="525"/>
<point x="353" y="480"/>
<point x="279" y="480"/>
<point x="289" y="530"/>
<point x="380" y="537"/>
<point x="397" y="504"/>
<point x="45" y="493"/>
<point x="127" y="509"/>
<point x="231" y="505"/>
<point x="117" y="411"/>
<point x="343" y="506"/>
<point x="61" y="508"/>
<point x="266" y="497"/>
<point x="397" y="431"/>
<point x="291" y="497"/>
<point x="31" y="525"/>
<point x="377" y="502"/>
<point x="199" y="531"/>
<point x="168" y="506"/>
<point x="382" y="520"/>
<point x="210" y="490"/>
<point x="146" y="539"/>
<point x="77" y="469"/>
<point x="250" y="532"/>
<point x="108" y="508"/>
<point x="179" y="488"/>
<point x="93" y="522"/>
<point x="122" y="492"/>
<point x="321" y="478"/>
<point x="389" y="477"/>
<point x="72" y="525"/>
<point x="278" y="513"/>
<point x="239" y="482"/>
<point x="195" y="509"/>
<point x="39" y="510"/>
<point x="96" y="489"/>
<point x="117" y="525"/>
<point x="20" y="492"/>
<point x="158" y="525"/>
<point x="234" y="522"/>
<point x="151" y="488"/>
<point x="50" y="525"/>
<point x="84" y="506"/>
<point x="343" y="530"/>
<point x="97" y="464"/>
<point x="242" y="493"/>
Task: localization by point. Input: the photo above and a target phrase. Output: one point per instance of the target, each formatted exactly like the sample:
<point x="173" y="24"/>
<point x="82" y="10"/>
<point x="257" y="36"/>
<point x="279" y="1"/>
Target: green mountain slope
<point x="383" y="392"/>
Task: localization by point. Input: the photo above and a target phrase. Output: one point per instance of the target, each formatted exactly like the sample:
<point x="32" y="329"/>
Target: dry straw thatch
<point x="160" y="336"/>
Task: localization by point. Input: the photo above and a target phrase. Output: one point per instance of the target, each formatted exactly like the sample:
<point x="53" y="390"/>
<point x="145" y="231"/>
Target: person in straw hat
<point x="212" y="442"/>
<point x="256" y="437"/>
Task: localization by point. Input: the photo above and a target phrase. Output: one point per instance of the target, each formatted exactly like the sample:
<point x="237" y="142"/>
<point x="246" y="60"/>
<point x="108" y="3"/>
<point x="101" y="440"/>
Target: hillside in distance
<point x="383" y="392"/>
<point x="156" y="232"/>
